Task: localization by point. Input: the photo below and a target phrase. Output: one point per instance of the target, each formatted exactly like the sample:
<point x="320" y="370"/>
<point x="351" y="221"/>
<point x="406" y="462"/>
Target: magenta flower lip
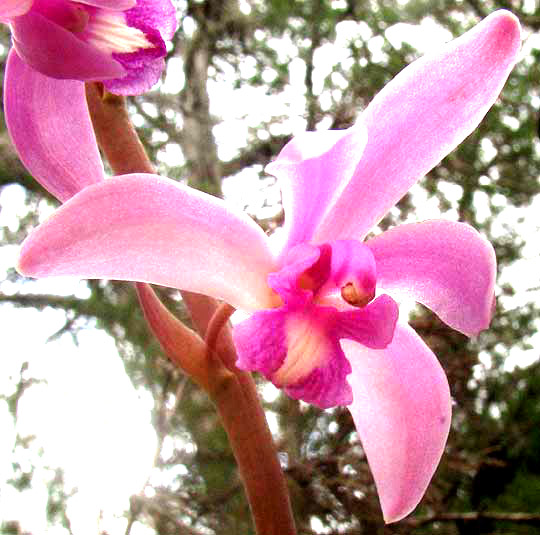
<point x="336" y="187"/>
<point x="118" y="42"/>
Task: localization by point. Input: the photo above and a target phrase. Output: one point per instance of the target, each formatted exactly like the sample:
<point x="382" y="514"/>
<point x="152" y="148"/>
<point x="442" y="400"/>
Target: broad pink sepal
<point x="402" y="411"/>
<point x="151" y="229"/>
<point x="419" y="117"/>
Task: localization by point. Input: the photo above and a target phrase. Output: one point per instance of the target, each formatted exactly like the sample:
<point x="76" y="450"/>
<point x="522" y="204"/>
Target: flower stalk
<point x="212" y="362"/>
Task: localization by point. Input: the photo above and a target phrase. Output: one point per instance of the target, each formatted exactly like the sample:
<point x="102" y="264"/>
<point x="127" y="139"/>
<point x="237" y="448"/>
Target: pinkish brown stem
<point x="233" y="391"/>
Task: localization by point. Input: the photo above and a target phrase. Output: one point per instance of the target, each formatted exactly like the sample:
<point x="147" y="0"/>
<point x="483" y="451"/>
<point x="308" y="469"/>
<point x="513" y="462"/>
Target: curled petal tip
<point x="507" y="22"/>
<point x="506" y="30"/>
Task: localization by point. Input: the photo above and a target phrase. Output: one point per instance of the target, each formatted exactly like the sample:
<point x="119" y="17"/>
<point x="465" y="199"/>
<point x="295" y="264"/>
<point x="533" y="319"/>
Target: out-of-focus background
<point x="100" y="434"/>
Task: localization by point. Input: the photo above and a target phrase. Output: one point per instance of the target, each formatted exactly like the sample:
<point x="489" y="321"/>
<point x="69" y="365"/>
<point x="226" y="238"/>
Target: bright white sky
<point x="87" y="417"/>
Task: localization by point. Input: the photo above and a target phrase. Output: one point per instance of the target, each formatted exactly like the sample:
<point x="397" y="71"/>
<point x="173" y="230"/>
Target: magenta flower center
<point x="343" y="271"/>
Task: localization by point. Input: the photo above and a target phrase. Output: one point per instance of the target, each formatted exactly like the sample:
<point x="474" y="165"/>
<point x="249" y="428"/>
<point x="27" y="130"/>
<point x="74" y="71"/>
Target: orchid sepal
<point x="129" y="227"/>
<point x="50" y="128"/>
<point x="402" y="412"/>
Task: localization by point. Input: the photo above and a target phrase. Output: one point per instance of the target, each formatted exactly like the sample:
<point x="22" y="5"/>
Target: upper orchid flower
<point x="119" y="42"/>
<point x="317" y="327"/>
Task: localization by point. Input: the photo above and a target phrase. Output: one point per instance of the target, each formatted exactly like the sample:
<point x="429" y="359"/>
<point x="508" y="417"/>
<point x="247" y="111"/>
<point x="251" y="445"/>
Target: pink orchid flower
<point x="323" y="325"/>
<point x="119" y="42"/>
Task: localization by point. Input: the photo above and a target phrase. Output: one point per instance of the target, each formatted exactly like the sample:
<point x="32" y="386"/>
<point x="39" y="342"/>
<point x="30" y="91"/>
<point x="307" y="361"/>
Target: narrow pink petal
<point x="312" y="169"/>
<point x="151" y="229"/>
<point x="421" y="116"/>
<point x="114" y="5"/>
<point x="402" y="412"/>
<point x="14" y="8"/>
<point x="58" y="53"/>
<point x="449" y="267"/>
<point x="50" y="127"/>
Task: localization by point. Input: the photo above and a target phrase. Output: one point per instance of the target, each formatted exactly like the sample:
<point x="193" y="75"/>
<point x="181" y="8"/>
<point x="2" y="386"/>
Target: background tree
<point x="242" y="77"/>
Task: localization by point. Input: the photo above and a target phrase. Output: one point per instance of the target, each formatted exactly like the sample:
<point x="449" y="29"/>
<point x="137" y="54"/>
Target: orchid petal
<point x="151" y="229"/>
<point x="312" y="169"/>
<point x="449" y="267"/>
<point x="291" y="347"/>
<point x="56" y="52"/>
<point x="50" y="127"/>
<point x="297" y="347"/>
<point x="14" y="8"/>
<point x="402" y="412"/>
<point x="421" y="116"/>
